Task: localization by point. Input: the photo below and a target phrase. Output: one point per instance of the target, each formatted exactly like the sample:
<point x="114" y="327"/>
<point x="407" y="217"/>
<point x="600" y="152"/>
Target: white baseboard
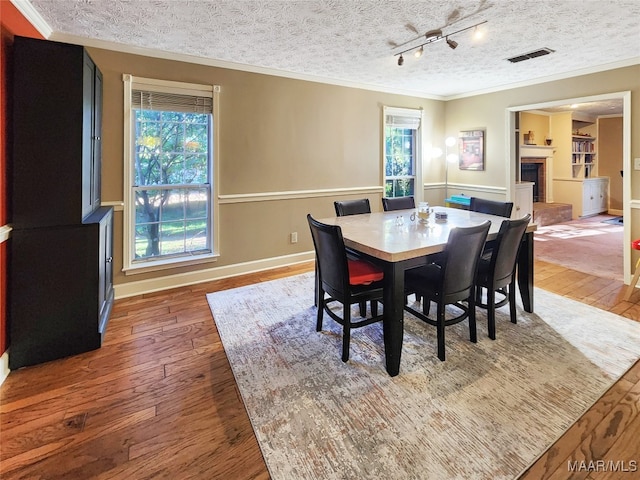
<point x="140" y="287"/>
<point x="4" y="366"/>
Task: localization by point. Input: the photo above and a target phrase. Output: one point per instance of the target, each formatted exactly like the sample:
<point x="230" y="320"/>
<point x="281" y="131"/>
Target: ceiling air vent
<point x="530" y="55"/>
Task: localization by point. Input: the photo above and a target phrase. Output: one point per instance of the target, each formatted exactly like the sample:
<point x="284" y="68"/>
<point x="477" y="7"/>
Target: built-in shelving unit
<point x="583" y="156"/>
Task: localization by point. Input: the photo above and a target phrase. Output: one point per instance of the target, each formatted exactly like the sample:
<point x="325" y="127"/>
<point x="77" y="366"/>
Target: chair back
<point x="462" y="253"/>
<point x="492" y="207"/>
<point x="352" y="207"/>
<point x="331" y="257"/>
<point x="506" y="248"/>
<point x="398" y="203"/>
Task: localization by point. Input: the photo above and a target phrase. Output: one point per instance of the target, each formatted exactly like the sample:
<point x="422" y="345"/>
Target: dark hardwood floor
<point x="158" y="400"/>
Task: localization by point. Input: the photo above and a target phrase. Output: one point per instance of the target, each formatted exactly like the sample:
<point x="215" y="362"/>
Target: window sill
<point x="169" y="264"/>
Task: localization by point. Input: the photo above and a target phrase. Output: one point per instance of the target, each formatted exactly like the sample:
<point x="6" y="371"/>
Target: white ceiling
<point x="349" y="42"/>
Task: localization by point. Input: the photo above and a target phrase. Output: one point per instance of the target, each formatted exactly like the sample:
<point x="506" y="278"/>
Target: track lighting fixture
<point x="433" y="36"/>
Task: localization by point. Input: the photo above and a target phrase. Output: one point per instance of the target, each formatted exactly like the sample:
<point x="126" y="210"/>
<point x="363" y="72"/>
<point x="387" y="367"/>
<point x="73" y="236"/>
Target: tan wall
<point x="488" y="111"/>
<point x="535" y="123"/>
<point x="276" y="135"/>
<point x="283" y="135"/>
<point x="561" y="126"/>
<point x="609" y="138"/>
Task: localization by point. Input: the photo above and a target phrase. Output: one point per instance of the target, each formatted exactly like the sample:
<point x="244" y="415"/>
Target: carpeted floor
<point x="485" y="413"/>
<point x="587" y="245"/>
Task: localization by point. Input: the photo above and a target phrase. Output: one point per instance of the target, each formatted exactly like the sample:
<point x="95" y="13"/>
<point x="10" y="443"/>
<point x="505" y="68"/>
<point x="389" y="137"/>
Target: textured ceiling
<point x="351" y="41"/>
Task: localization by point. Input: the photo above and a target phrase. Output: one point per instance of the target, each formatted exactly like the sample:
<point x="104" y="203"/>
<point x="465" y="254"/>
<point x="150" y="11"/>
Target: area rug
<point x="487" y="412"/>
<point x="614" y="221"/>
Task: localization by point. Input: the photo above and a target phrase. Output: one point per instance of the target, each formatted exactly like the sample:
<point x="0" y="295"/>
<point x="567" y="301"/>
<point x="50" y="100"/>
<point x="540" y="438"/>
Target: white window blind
<point x="170" y="102"/>
<point x="403" y="121"/>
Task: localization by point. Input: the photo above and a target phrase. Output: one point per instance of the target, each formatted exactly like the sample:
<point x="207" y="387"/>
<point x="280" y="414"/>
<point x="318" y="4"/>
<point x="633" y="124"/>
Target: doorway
<point x="600" y="106"/>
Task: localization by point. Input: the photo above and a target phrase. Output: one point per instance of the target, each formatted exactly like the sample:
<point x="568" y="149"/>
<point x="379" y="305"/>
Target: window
<point x="169" y="142"/>
<point x="401" y="150"/>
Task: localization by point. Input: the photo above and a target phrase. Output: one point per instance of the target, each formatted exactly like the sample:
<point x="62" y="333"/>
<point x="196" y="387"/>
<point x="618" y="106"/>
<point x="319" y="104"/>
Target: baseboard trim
<point x="140" y="287"/>
<point x="4" y="366"/>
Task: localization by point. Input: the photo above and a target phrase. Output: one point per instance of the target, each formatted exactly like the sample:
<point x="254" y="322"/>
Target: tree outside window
<point x="171" y="183"/>
<point x="399" y="161"/>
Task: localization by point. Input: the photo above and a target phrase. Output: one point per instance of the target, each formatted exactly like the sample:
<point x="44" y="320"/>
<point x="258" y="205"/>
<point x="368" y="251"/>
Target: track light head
<point x="452" y="43"/>
<point x="400" y="60"/>
<point x="433" y="34"/>
<point x="418" y="53"/>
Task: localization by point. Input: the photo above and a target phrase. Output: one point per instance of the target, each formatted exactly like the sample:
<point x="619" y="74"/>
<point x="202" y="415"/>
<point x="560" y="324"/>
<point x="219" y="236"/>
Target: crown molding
<point x="181" y="57"/>
<point x="30" y="13"/>
<point x="550" y="78"/>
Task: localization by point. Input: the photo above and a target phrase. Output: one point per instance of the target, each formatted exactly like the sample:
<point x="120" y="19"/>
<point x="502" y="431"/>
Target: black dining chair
<point x="450" y="281"/>
<point x="352" y="207"/>
<point x="497" y="271"/>
<point x="398" y="203"/>
<point x="344" y="280"/>
<point x="492" y="207"/>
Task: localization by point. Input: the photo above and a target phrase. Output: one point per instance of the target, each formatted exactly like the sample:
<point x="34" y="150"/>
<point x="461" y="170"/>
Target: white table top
<point x="378" y="234"/>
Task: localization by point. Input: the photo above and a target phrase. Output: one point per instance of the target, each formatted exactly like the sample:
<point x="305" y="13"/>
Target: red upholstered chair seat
<point x="363" y="273"/>
<point x="636" y="246"/>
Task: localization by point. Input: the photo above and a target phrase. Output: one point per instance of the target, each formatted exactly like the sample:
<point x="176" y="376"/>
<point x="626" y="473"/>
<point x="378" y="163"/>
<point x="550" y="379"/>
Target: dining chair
<point x="398" y="203"/>
<point x="634" y="281"/>
<point x="492" y="207"/>
<point x="449" y="281"/>
<point x="352" y="207"/>
<point x="497" y="271"/>
<point x="344" y="280"/>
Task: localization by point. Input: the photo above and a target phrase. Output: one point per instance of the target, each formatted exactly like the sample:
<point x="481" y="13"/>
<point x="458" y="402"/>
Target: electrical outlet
<point x="294" y="237"/>
<point x="636" y="163"/>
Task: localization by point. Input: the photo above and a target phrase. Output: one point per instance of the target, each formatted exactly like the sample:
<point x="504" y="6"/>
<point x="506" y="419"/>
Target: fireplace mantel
<point x="536" y="151"/>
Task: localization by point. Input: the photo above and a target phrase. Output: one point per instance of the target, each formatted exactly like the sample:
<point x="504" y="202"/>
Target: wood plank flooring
<point x="158" y="400"/>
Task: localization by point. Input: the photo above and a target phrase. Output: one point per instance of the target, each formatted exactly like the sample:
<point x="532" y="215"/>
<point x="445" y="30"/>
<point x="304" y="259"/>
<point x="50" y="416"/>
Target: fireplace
<point x="533" y="169"/>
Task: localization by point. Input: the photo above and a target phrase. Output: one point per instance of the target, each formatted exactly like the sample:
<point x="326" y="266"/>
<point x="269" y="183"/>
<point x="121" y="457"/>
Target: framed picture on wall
<point x="471" y="150"/>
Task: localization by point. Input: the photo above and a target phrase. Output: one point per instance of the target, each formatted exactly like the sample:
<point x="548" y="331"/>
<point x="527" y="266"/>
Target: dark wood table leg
<point x="525" y="271"/>
<point x="316" y="293"/>
<point x="393" y="323"/>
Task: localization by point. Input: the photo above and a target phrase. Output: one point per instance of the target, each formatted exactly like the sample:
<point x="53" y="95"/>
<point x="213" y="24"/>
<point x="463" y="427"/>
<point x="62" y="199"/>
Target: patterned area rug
<point x="487" y="412"/>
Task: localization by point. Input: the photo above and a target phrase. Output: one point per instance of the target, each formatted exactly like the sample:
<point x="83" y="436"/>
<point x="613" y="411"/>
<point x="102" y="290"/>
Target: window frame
<point x="129" y="266"/>
<point x="410" y="113"/>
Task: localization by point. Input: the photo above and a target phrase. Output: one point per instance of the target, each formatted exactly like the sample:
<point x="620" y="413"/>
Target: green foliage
<point x="399" y="161"/>
<point x="172" y="148"/>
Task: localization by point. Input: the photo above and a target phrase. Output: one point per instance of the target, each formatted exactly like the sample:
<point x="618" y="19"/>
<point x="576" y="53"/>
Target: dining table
<point x="397" y="241"/>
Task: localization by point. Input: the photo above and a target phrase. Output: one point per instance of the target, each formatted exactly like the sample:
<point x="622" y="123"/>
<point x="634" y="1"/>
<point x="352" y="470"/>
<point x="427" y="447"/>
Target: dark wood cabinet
<point x="61" y="291"/>
<point x="61" y="245"/>
<point x="57" y="144"/>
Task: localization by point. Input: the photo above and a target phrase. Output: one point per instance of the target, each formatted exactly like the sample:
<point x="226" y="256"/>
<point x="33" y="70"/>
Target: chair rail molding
<point x="296" y="194"/>
<point x="5" y="231"/>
